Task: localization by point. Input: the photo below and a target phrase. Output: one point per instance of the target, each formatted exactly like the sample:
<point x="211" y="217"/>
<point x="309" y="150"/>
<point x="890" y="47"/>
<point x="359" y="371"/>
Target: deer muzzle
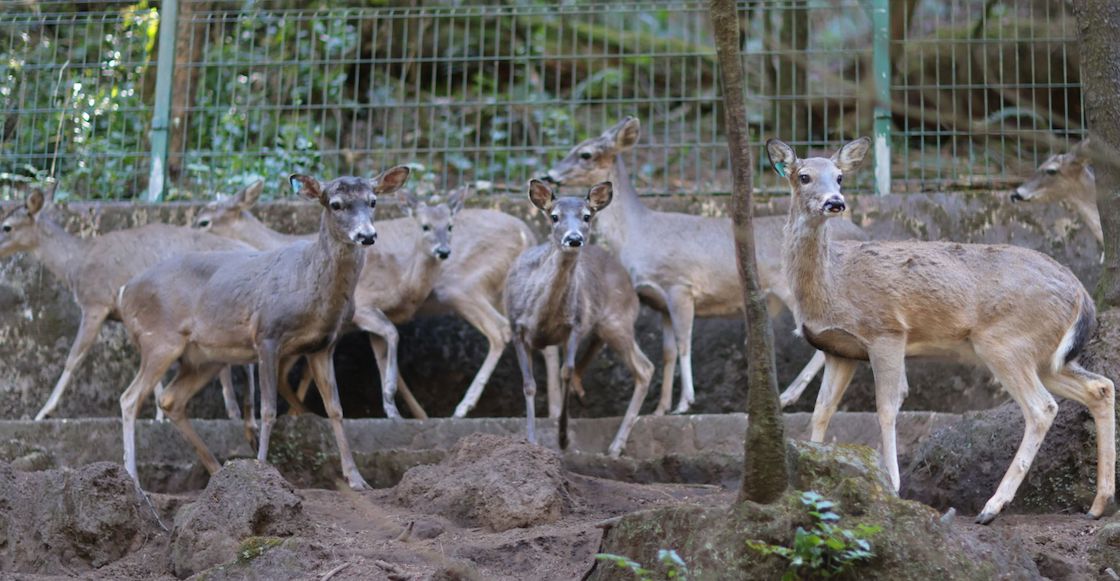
<point x="834" y="205"/>
<point x="572" y="240"/>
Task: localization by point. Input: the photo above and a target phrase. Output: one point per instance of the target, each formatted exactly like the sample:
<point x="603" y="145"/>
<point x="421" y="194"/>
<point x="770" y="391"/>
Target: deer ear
<point x="541" y="195"/>
<point x="457" y="198"/>
<point x="407" y="201"/>
<point x="391" y="180"/>
<point x="249" y="195"/>
<point x="306" y="186"/>
<point x="781" y="156"/>
<point x="600" y="195"/>
<point x="850" y="157"/>
<point x="35" y="202"/>
<point x="1080" y="152"/>
<point x="625" y="133"/>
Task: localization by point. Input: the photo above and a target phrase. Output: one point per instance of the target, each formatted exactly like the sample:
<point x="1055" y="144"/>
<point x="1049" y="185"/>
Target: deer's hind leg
<point x="383" y="341"/>
<point x="668" y="365"/>
<point x="1099" y="395"/>
<point x="682" y="311"/>
<point x="187" y="383"/>
<point x="621" y="341"/>
<point x="154" y="362"/>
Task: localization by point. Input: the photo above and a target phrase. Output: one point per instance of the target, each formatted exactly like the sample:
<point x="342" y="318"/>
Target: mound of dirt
<point x="65" y="521"/>
<point x="490" y="481"/>
<point x="914" y="543"/>
<point x="244" y="499"/>
<point x="1105" y="550"/>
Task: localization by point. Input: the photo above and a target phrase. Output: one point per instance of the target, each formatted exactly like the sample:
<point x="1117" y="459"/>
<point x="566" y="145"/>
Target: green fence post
<point x="161" y="116"/>
<point x="881" y="73"/>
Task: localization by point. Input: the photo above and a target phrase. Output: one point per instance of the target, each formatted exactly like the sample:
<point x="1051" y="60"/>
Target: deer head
<point x="349" y="202"/>
<point x="436" y="222"/>
<point x="17" y="227"/>
<point x="571" y="216"/>
<point x="1057" y="178"/>
<point x="221" y="217"/>
<point x="815" y="181"/>
<point x="590" y="162"/>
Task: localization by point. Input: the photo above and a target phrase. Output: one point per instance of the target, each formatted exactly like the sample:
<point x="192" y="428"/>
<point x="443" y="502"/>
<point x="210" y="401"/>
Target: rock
<point x="244" y="499"/>
<point x="913" y="543"/>
<point x="62" y="521"/>
<point x="1105" y="550"/>
<point x="270" y="558"/>
<point x="491" y="481"/>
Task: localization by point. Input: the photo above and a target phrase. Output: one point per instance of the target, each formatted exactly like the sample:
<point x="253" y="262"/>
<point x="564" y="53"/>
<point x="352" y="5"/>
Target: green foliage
<point x="825" y="550"/>
<point x="673" y="565"/>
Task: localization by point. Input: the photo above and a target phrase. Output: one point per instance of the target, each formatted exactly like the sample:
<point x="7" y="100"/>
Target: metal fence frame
<point x="934" y="127"/>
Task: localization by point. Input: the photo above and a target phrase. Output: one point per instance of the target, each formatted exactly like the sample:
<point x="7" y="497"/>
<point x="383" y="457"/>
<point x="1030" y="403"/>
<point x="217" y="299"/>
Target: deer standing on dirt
<point x="564" y="290"/>
<point x="683" y="266"/>
<point x="209" y="310"/>
<point x="1014" y="310"/>
<point x="95" y="269"/>
<point x="1066" y="177"/>
<point x="469" y="282"/>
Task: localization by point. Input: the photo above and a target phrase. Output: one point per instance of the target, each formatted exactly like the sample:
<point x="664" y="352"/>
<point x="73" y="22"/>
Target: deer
<point x="1016" y="311"/>
<point x="1066" y="177"/>
<point x="469" y="282"/>
<point x="695" y="274"/>
<point x="95" y="269"/>
<point x="210" y="310"/>
<point x="563" y="291"/>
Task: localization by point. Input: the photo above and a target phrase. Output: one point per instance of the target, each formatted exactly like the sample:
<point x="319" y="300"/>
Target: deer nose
<point x="548" y="179"/>
<point x="443" y="253"/>
<point x="834" y="205"/>
<point x="573" y="240"/>
<point x="1016" y="196"/>
<point x="365" y="239"/>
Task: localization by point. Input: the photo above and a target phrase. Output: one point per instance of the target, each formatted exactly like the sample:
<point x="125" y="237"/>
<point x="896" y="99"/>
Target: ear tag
<point x="780" y="169"/>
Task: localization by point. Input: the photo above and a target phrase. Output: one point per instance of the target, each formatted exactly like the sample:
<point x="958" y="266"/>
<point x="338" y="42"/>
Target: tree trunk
<point x="1098" y="24"/>
<point x="189" y="42"/>
<point x="765" y="467"/>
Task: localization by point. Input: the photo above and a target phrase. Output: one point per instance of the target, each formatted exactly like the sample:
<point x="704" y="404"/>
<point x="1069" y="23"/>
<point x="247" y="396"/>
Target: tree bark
<point x="1098" y="24"/>
<point x="765" y="467"/>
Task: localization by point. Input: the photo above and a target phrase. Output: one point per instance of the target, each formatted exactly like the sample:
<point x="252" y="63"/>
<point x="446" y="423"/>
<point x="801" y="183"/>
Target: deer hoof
<point x="986" y="518"/>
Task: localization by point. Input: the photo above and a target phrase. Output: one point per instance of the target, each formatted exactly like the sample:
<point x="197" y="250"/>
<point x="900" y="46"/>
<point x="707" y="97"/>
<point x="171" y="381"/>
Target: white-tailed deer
<point x="683" y="266"/>
<point x="1014" y="310"/>
<point x="95" y="269"/>
<point x="1066" y="177"/>
<point x="209" y="310"/>
<point x="469" y="282"/>
<point x="564" y="290"/>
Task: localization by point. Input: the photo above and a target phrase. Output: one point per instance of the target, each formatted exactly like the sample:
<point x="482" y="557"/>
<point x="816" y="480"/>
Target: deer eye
<point x="1051" y="171"/>
<point x="555" y="218"/>
<point x="425" y="227"/>
<point x="449" y="227"/>
<point x="204" y="223"/>
<point x="804" y="178"/>
<point x="7" y="227"/>
<point x="585" y="155"/>
<point x="336" y="205"/>
<point x="587" y="217"/>
<point x="373" y="203"/>
<point x="839" y="179"/>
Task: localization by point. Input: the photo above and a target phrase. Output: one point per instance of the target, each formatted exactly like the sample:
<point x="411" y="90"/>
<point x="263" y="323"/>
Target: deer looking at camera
<point x="683" y="266"/>
<point x="209" y="310"/>
<point x="1066" y="177"/>
<point x="1014" y="310"/>
<point x="95" y="269"/>
<point x="469" y="282"/>
<point x="564" y="290"/>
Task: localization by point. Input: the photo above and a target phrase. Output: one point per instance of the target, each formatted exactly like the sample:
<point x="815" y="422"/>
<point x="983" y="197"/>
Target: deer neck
<point x="806" y="263"/>
<point x="60" y="251"/>
<point x="624" y="216"/>
<point x="422" y="271"/>
<point x="336" y="264"/>
<point x="560" y="268"/>
<point x="254" y="233"/>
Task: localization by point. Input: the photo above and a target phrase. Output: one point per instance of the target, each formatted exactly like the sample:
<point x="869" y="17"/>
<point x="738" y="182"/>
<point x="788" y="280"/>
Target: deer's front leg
<point x="528" y="385"/>
<point x="269" y="358"/>
<point x="322" y="367"/>
<point x="566" y="372"/>
<point x="87" y="336"/>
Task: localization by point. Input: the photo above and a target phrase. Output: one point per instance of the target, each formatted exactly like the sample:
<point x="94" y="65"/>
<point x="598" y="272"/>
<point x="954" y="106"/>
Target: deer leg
<point x="250" y="414"/>
<point x="186" y="384"/>
<point x="159" y="394"/>
<point x="528" y="387"/>
<point x="383" y="340"/>
<point x="414" y="407"/>
<point x="795" y="389"/>
<point x="225" y="377"/>
<point x="304" y="386"/>
<point x="294" y="399"/>
<point x="594" y="344"/>
<point x="493" y="325"/>
<point x="682" y="311"/>
<point x="838" y="374"/>
<point x="566" y="373"/>
<point x="92" y="320"/>
<point x="888" y="363"/>
<point x="268" y="357"/>
<point x="153" y="364"/>
<point x="552" y="379"/>
<point x="669" y="365"/>
<point x="1099" y="395"/>
<point x="623" y="343"/>
<point x="322" y="367"/>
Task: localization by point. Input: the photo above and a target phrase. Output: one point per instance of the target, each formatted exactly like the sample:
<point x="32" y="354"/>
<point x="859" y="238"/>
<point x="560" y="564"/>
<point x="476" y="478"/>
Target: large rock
<point x="491" y="481"/>
<point x="67" y="521"/>
<point x="914" y="542"/>
<point x="244" y="499"/>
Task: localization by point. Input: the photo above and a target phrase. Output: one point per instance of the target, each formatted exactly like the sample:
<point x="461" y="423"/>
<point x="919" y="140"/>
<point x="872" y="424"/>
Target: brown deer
<point x="1066" y="177"/>
<point x="469" y="282"/>
<point x="209" y="310"/>
<point x="1014" y="310"/>
<point x="564" y="290"/>
<point x="683" y="266"/>
<point x="95" y="269"/>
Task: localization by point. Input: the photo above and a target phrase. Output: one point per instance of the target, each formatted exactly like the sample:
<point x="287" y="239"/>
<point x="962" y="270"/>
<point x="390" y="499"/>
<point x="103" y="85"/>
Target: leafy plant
<point x="825" y="550"/>
<point x="673" y="564"/>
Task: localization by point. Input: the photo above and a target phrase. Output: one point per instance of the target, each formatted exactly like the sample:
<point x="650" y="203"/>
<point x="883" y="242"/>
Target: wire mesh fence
<point x="494" y="94"/>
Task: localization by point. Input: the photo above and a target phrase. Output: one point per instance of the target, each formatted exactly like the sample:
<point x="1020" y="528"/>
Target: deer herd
<point x="231" y="291"/>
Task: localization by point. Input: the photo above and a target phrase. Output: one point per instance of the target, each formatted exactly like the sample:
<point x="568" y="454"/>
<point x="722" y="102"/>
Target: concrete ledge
<point x="696" y="448"/>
